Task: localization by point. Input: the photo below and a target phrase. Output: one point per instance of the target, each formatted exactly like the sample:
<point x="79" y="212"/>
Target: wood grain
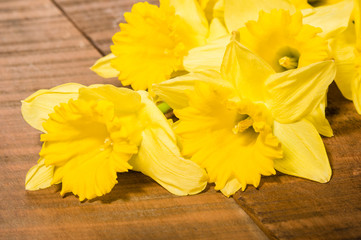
<point x="98" y="19"/>
<point x="41" y="48"/>
<point x="292" y="208"/>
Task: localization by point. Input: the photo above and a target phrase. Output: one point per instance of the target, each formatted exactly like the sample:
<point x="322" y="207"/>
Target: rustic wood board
<point x="284" y="207"/>
<point x="41" y="48"/>
<point x="98" y="19"/>
<point x="292" y="208"/>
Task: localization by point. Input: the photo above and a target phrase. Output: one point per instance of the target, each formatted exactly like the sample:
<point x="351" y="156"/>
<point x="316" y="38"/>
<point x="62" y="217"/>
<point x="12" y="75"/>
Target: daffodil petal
<point x="318" y="119"/>
<point x="231" y="187"/>
<point x="332" y="19"/>
<point x="118" y="96"/>
<point x="216" y="30"/>
<point x="204" y="4"/>
<point x="212" y="8"/>
<point x="302" y="4"/>
<point x="39" y="176"/>
<point x="175" y="91"/>
<point x="103" y="68"/>
<point x="293" y="94"/>
<point x="192" y="14"/>
<point x="343" y="47"/>
<point x="357" y="12"/>
<point x="344" y="75"/>
<point x="356" y="92"/>
<point x="94" y="177"/>
<point x="207" y="57"/>
<point x="238" y="12"/>
<point x="245" y="70"/>
<point x="159" y="156"/>
<point x="36" y="108"/>
<point x="304" y="153"/>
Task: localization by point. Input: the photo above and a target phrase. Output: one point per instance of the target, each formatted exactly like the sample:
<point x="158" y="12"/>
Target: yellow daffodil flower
<point x="346" y="49"/>
<point x="278" y="37"/>
<point x="328" y="18"/>
<point x="153" y="42"/>
<point x="281" y="40"/>
<point x="250" y="120"/>
<point x="91" y="133"/>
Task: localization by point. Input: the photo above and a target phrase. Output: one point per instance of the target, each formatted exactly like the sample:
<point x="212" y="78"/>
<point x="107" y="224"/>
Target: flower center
<point x="283" y="41"/>
<point x="107" y="143"/>
<point x="242" y="124"/>
<point x="288" y="58"/>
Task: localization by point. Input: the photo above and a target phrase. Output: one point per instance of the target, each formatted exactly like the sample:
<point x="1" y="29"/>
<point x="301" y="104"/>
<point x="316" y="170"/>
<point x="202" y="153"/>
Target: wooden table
<point x="44" y="43"/>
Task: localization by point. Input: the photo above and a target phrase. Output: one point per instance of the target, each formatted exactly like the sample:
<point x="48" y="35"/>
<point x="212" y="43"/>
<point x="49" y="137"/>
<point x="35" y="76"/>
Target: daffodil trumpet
<point x="153" y="41"/>
<point x="92" y="133"/>
<point x="249" y="120"/>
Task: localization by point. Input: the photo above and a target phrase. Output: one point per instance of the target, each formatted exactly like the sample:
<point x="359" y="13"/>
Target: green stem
<point x="163" y="107"/>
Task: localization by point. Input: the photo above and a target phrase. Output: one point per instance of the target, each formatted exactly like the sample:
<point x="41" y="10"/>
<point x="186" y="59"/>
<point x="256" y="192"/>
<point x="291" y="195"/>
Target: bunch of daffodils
<point x="247" y="81"/>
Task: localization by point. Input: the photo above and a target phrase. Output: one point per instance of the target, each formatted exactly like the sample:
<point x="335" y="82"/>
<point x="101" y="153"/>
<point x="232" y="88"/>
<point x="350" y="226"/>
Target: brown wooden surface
<point x="284" y="207"/>
<point x="292" y="208"/>
<point x="44" y="43"/>
<point x="40" y="47"/>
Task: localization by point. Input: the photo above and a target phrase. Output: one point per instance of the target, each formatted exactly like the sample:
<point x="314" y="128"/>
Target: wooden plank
<point x="40" y="48"/>
<point x="98" y="19"/>
<point x="292" y="208"/>
<point x="285" y="207"/>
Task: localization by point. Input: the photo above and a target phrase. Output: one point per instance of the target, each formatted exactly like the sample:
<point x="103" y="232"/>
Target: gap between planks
<point x="89" y="39"/>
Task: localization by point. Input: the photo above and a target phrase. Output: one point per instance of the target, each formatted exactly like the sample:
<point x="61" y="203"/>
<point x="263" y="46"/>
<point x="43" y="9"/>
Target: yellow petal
<point x="343" y="47"/>
<point x="207" y="57"/>
<point x="103" y="67"/>
<point x="175" y="91"/>
<point x="212" y="8"/>
<point x="238" y="12"/>
<point x="301" y="4"/>
<point x="231" y="187"/>
<point x="193" y="16"/>
<point x="36" y="108"/>
<point x="304" y="153"/>
<point x="356" y="92"/>
<point x="216" y="30"/>
<point x="39" y="176"/>
<point x="357" y="12"/>
<point x="318" y="119"/>
<point x="332" y="19"/>
<point x="245" y="70"/>
<point x="159" y="156"/>
<point x="118" y="96"/>
<point x="293" y="94"/>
